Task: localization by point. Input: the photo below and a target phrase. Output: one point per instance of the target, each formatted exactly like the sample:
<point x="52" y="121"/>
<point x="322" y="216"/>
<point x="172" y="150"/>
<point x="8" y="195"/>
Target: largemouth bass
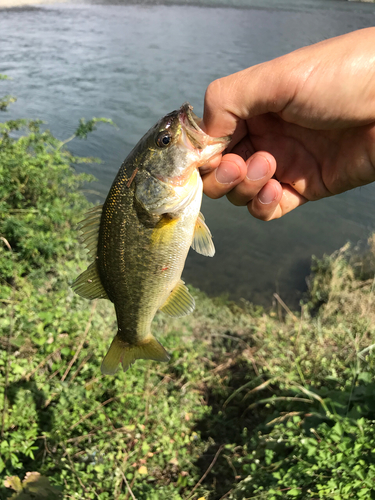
<point x="139" y="239"/>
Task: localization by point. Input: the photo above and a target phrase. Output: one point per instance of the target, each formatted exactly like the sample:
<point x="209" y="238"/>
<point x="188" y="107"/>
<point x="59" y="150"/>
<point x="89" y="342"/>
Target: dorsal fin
<point x="202" y="240"/>
<point x="88" y="284"/>
<point x="90" y="229"/>
<point x="180" y="302"/>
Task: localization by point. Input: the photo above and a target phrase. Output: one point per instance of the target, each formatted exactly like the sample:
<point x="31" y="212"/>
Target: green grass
<point x="253" y="404"/>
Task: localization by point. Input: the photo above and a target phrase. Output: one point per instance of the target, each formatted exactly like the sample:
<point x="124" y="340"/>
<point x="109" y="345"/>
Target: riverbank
<point x="254" y="403"/>
<point x="7" y="4"/>
<point x="237" y="3"/>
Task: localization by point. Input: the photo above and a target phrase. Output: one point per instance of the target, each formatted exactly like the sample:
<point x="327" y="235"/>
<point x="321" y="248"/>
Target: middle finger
<point x="261" y="166"/>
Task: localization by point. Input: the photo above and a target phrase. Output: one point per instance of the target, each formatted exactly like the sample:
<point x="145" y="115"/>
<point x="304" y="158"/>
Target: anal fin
<point x="127" y="354"/>
<point x="202" y="240"/>
<point x="180" y="302"/>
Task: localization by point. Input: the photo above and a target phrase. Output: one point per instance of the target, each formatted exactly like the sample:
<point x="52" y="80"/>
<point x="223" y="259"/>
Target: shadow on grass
<point x="228" y="426"/>
<point x="240" y="415"/>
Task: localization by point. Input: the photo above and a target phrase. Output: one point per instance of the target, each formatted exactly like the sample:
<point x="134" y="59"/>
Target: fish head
<point x="175" y="148"/>
<point x="180" y="146"/>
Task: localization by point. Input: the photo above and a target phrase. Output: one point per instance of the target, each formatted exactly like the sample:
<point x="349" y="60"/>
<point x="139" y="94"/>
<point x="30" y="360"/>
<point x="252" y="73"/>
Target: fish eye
<point x="163" y="140"/>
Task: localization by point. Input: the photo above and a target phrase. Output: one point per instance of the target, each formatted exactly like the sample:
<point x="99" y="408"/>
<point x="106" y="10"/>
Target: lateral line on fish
<point x="132" y="177"/>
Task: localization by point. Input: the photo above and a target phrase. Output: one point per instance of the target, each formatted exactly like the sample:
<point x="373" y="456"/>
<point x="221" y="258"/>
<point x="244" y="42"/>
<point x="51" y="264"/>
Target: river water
<point x="134" y="63"/>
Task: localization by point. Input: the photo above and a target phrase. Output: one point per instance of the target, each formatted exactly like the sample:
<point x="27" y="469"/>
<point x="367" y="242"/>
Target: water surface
<point x="135" y="63"/>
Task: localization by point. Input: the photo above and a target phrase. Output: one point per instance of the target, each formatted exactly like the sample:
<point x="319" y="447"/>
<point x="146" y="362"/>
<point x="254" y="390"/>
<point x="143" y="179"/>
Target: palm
<point x="315" y="163"/>
<point x="304" y="122"/>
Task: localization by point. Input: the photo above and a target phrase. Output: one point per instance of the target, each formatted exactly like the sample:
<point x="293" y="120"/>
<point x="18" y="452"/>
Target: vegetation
<point x="253" y="404"/>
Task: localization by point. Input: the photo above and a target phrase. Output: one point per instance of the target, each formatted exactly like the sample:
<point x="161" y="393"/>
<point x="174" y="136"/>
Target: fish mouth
<point x="194" y="138"/>
<point x="191" y="119"/>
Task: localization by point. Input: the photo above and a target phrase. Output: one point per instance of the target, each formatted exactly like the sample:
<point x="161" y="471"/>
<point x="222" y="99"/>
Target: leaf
<point x="365" y="377"/>
<point x="39" y="486"/>
<point x="31" y="477"/>
<point x="13" y="482"/>
<point x="84" y="128"/>
<point x="294" y="492"/>
<point x="5" y="101"/>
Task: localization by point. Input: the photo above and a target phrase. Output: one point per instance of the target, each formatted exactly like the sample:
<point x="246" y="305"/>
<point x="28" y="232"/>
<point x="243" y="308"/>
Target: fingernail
<point x="257" y="168"/>
<point x="267" y="195"/>
<point x="227" y="172"/>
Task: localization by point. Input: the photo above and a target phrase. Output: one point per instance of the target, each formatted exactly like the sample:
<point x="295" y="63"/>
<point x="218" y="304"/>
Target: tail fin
<point x="122" y="352"/>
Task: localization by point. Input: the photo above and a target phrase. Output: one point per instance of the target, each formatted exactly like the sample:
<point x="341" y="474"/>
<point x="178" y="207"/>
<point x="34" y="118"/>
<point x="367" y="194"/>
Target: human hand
<point x="303" y="126"/>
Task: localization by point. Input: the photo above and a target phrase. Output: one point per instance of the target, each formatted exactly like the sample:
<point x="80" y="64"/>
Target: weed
<point x="251" y="405"/>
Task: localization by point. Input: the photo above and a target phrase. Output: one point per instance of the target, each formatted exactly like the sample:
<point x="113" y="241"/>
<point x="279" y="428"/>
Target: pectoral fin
<point x="180" y="302"/>
<point x="88" y="284"/>
<point x="122" y="352"/>
<point x="202" y="240"/>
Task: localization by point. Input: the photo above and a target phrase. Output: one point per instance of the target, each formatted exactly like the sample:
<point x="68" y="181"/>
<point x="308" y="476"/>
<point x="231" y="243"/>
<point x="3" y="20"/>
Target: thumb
<point x="231" y="100"/>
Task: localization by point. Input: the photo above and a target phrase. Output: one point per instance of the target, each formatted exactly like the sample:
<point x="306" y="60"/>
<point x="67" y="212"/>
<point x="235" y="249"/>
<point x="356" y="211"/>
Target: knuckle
<point x="212" y="193"/>
<point x="265" y="216"/>
<point x="237" y="200"/>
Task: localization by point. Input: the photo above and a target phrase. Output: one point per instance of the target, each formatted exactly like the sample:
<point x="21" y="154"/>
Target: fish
<point x="138" y="240"/>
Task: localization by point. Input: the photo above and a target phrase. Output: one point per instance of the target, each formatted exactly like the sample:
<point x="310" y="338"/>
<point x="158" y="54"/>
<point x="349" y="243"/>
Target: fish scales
<point x="133" y="260"/>
<point x="145" y="228"/>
